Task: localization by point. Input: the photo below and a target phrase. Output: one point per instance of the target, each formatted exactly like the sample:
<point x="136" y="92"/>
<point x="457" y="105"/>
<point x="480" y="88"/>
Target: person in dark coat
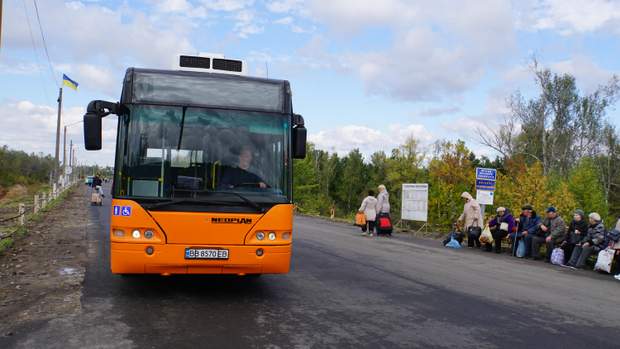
<point x="594" y="241"/>
<point x="577" y="231"/>
<point x="501" y="225"/>
<point x="529" y="225"/>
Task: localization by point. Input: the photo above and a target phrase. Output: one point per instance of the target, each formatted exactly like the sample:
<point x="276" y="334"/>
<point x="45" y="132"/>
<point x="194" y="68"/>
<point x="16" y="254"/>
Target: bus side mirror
<point x="92" y="131"/>
<point x="299" y="142"/>
<point x="92" y="121"/>
<point x="299" y="137"/>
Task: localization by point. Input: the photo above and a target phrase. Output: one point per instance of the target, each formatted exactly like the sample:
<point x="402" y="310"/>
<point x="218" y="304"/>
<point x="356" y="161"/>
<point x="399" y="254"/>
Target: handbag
<point x="557" y="256"/>
<point x="453" y="243"/>
<point x="521" y="249"/>
<point x="503" y="226"/>
<point x="486" y="236"/>
<point x="604" y="260"/>
<point x="360" y="219"/>
<point x="474" y="231"/>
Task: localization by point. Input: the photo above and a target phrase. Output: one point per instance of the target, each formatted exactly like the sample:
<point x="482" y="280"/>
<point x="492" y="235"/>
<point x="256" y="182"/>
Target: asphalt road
<point x="344" y="290"/>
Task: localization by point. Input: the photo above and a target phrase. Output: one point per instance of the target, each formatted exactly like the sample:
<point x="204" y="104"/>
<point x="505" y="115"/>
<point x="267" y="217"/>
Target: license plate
<point x="206" y="253"/>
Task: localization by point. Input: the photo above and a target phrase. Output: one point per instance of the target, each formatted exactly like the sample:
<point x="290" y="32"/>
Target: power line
<point x="49" y="61"/>
<point x="34" y="49"/>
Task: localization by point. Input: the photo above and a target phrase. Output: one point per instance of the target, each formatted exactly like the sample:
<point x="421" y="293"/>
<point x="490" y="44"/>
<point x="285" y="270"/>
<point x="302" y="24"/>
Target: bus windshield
<point x="188" y="152"/>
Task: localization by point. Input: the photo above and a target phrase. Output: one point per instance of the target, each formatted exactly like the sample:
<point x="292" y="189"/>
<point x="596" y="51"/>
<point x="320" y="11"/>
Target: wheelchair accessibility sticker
<point x="122" y="211"/>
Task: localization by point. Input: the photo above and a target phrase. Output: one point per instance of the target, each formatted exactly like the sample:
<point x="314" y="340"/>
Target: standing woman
<point x="383" y="211"/>
<point x="471" y="219"/>
<point x="368" y="207"/>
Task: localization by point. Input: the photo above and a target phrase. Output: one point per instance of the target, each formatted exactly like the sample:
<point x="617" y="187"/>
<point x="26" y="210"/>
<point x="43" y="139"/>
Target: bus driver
<point x="241" y="176"/>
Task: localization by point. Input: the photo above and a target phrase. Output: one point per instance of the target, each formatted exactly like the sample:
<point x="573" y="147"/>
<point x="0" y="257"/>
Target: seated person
<point x="501" y="225"/>
<point x="529" y="225"/>
<point x="553" y="229"/>
<point x="240" y="176"/>
<point x="594" y="241"/>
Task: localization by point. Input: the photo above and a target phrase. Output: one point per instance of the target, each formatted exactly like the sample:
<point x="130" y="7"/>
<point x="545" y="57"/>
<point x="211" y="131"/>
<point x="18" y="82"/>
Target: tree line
<point x="557" y="148"/>
<point x="19" y="167"/>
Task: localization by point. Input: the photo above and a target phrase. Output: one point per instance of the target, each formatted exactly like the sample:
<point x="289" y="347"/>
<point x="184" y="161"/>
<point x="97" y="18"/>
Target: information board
<point x="415" y="202"/>
<point x="486" y="178"/>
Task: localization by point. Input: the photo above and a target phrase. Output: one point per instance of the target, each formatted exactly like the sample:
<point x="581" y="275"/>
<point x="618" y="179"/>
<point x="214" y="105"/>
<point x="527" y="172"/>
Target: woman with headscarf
<point x="471" y="218"/>
<point x="383" y="212"/>
<point x="577" y="231"/>
<point x="369" y="209"/>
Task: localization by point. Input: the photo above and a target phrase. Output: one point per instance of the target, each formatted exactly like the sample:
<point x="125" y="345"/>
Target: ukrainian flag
<point x="69" y="83"/>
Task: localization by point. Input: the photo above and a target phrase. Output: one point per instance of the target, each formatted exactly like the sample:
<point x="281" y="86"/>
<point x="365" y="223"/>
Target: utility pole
<point x="0" y="23"/>
<point x="56" y="155"/>
<point x="64" y="150"/>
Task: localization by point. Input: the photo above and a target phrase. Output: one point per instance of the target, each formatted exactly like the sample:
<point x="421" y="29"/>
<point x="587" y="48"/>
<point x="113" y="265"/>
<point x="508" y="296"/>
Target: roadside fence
<point x="26" y="210"/>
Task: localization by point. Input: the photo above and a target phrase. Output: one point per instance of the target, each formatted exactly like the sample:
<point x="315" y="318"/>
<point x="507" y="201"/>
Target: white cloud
<point x="32" y="128"/>
<point x="588" y="75"/>
<point x="227" y="5"/>
<point x="368" y="140"/>
<point x="438" y="48"/>
<point x="92" y="32"/>
<point x="284" y="6"/>
<point x="247" y="24"/>
<point x="575" y="16"/>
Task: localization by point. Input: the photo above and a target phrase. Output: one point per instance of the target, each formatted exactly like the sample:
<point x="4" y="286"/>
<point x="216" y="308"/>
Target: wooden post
<point x="22" y="213"/>
<point x="36" y="203"/>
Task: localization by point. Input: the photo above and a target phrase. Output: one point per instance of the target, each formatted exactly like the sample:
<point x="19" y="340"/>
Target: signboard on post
<point x="485" y="186"/>
<point x="415" y="202"/>
<point x="484" y="197"/>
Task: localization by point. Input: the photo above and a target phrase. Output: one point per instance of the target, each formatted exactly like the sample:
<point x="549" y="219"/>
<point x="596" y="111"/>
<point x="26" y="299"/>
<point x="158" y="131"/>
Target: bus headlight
<point x="119" y="233"/>
<point x="135" y="234"/>
<point x="148" y="234"/>
<point x="286" y="235"/>
<point x="260" y="236"/>
<point x="272" y="236"/>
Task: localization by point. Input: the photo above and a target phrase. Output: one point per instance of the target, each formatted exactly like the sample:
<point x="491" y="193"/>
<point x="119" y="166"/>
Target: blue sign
<point x="489" y="174"/>
<point x="485" y="185"/>
<point x="485" y="178"/>
<point x="122" y="211"/>
<point x="126" y="211"/>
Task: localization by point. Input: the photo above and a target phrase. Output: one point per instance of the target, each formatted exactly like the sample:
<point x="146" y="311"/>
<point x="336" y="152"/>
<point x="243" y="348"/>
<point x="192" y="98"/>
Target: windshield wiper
<point x="242" y="197"/>
<point x="202" y="202"/>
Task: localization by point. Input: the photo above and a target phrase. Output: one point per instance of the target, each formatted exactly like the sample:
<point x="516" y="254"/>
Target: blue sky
<point x="365" y="74"/>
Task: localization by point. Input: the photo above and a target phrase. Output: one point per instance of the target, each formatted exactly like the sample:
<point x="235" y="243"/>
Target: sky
<point x="364" y="74"/>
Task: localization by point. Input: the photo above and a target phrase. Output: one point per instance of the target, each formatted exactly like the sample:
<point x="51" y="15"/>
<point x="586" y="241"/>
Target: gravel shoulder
<point x="41" y="275"/>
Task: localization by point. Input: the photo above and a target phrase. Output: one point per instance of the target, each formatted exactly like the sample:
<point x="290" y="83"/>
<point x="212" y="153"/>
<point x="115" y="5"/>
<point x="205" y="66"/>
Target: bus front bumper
<point x="166" y="259"/>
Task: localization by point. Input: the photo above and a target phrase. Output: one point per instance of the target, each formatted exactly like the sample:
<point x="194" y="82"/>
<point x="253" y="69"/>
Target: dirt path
<point x="42" y="274"/>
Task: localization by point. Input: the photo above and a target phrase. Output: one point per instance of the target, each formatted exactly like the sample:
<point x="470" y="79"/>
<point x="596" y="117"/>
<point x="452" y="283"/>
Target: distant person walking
<point x="384" y="226"/>
<point x="97" y="184"/>
<point x="471" y="218"/>
<point x="369" y="209"/>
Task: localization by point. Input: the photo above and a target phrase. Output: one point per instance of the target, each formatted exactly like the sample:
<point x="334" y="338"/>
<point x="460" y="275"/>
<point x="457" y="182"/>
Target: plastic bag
<point x="453" y="243"/>
<point x="360" y="219"/>
<point x="486" y="236"/>
<point x="557" y="256"/>
<point x="604" y="260"/>
<point x="521" y="249"/>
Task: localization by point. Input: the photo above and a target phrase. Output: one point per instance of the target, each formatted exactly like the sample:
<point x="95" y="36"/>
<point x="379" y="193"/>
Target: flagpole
<point x="56" y="154"/>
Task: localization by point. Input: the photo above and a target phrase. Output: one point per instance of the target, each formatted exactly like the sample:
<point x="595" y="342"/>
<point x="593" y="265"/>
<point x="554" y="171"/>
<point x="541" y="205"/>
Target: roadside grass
<point x="21" y="231"/>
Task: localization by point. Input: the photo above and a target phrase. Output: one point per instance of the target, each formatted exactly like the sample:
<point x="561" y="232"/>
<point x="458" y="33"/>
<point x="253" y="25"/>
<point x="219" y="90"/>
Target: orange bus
<point x="203" y="170"/>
